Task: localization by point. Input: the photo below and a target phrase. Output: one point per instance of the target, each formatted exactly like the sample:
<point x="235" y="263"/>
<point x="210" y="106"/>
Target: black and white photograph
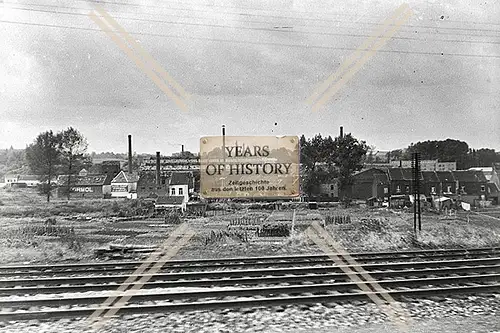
<point x="281" y="166"/>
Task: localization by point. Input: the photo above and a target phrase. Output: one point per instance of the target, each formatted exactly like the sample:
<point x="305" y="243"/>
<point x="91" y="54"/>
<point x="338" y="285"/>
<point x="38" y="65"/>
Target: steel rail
<point x="241" y="273"/>
<point x="247" y="303"/>
<point x="272" y="259"/>
<point x="129" y="266"/>
<point x="183" y="295"/>
<point x="164" y="282"/>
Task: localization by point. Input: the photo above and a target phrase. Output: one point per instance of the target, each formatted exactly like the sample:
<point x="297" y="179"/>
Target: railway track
<point x="242" y="283"/>
<point x="268" y="261"/>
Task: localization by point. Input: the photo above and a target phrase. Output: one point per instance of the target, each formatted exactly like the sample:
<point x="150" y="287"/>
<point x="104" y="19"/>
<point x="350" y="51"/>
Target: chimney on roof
<point x="182" y="149"/>
<point x="341" y="131"/>
<point x="158" y="168"/>
<point x="130" y="153"/>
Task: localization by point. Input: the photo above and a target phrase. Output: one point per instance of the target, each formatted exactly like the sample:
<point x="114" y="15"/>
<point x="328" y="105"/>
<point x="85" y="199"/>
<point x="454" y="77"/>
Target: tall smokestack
<point x="158" y="168"/>
<point x="130" y="153"/>
<point x="182" y="149"/>
<point x="341" y="131"/>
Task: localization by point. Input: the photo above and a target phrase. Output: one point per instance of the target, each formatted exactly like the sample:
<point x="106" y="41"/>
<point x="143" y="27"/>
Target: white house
<point x="124" y="185"/>
<point x="29" y="180"/>
<point x="179" y="185"/>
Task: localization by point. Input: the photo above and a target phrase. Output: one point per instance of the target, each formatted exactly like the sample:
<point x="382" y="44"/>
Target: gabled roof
<point x="89" y="180"/>
<point x="180" y="178"/>
<point x="469" y="176"/>
<point x="125" y="177"/>
<point x="28" y="177"/>
<point x="171" y="200"/>
<point x="401" y="174"/>
<point x="430" y="176"/>
<point x="445" y="176"/>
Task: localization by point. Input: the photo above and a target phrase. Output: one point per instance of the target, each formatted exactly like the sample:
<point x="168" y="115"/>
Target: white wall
<point x="184" y="188"/>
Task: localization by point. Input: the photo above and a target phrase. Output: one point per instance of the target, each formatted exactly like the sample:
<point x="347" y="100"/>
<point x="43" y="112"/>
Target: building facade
<point x="124" y="185"/>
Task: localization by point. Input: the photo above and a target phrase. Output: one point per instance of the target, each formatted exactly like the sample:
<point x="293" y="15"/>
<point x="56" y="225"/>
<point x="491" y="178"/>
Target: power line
<point x="253" y="8"/>
<point x="268" y="16"/>
<point x="258" y="43"/>
<point x="264" y="29"/>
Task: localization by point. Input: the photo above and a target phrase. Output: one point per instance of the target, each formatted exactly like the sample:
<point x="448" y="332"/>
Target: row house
<point x="382" y="184"/>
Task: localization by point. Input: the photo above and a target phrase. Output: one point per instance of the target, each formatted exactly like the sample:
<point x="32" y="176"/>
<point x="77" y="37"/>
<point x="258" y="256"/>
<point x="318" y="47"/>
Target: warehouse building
<point x="83" y="186"/>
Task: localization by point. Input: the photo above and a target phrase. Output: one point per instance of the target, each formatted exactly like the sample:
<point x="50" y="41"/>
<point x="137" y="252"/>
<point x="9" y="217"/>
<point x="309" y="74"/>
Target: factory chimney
<point x="158" y="168"/>
<point x="182" y="149"/>
<point x="341" y="131"/>
<point x="129" y="153"/>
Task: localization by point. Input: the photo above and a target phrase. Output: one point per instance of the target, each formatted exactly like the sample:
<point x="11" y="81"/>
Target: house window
<point x="158" y="188"/>
<point x="398" y="189"/>
<point x="180" y="191"/>
<point x="407" y="189"/>
<point x="463" y="189"/>
<point x="331" y="187"/>
<point x="386" y="190"/>
<point x="172" y="191"/>
<point x="163" y="181"/>
<point x="143" y="187"/>
<point x="483" y="188"/>
<point x="433" y="189"/>
<point x="448" y="189"/>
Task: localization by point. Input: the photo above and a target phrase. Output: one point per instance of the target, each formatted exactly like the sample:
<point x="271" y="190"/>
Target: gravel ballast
<point x="465" y="314"/>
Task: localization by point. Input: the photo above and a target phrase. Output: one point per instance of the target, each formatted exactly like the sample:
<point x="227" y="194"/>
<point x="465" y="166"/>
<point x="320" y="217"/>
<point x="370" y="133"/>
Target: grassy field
<point x="32" y="230"/>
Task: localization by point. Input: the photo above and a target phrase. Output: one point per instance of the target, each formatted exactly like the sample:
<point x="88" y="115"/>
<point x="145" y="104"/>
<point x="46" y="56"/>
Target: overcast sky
<point x="242" y="74"/>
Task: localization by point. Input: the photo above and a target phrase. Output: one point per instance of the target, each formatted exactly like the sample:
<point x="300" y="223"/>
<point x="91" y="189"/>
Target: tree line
<point x="52" y="154"/>
<point x="323" y="159"/>
<point x="448" y="150"/>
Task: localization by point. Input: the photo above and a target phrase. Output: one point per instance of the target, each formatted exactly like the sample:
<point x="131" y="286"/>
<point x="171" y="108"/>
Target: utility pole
<point x="416" y="191"/>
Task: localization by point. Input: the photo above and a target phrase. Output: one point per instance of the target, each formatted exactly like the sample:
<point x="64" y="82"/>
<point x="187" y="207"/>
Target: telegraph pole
<point x="416" y="191"/>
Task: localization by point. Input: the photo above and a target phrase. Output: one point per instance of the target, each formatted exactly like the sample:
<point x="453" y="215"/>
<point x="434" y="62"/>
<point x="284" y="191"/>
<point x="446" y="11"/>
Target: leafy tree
<point x="73" y="146"/>
<point x="448" y="150"/>
<point x="324" y="159"/>
<point x="43" y="157"/>
<point x="349" y="154"/>
<point x="316" y="158"/>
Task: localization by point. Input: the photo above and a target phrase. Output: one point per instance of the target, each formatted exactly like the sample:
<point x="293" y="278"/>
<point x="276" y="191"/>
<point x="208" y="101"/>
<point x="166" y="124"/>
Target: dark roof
<point x="180" y="178"/>
<point x="430" y="176"/>
<point x="401" y="174"/>
<point x="469" y="176"/>
<point x="125" y="177"/>
<point x="147" y="178"/>
<point x="493" y="188"/>
<point x="89" y="180"/>
<point x="373" y="173"/>
<point x="445" y="176"/>
<point x="172" y="200"/>
<point x="28" y="177"/>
